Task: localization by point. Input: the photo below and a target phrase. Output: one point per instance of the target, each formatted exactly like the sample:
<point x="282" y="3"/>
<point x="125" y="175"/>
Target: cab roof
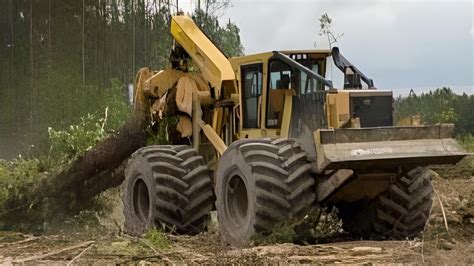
<point x="310" y="51"/>
<point x="313" y="53"/>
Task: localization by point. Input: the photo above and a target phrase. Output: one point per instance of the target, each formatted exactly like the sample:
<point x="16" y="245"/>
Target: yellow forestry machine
<point x="264" y="138"/>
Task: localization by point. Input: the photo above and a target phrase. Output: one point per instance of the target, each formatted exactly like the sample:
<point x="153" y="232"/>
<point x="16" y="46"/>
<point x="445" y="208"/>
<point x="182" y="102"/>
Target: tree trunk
<point x="32" y="95"/>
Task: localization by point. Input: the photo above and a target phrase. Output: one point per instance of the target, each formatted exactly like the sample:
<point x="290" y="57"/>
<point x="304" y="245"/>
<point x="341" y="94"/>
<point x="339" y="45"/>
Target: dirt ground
<point x="438" y="245"/>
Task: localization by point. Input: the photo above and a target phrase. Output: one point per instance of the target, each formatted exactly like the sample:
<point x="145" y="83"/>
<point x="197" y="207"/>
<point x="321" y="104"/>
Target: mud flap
<point x="384" y="148"/>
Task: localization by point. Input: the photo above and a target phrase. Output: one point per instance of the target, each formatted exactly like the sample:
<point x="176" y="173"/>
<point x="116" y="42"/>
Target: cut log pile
<point x="176" y="100"/>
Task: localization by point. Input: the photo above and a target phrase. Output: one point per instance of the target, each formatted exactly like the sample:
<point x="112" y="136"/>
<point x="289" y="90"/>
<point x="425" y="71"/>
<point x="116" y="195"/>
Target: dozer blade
<point x="384" y="148"/>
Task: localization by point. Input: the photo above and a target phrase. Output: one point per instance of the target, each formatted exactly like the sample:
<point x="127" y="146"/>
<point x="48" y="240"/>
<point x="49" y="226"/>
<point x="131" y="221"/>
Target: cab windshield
<point x="308" y="78"/>
<point x="285" y="73"/>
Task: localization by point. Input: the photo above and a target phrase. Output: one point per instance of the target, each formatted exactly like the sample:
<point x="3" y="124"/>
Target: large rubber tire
<point x="260" y="183"/>
<point x="167" y="185"/>
<point x="398" y="213"/>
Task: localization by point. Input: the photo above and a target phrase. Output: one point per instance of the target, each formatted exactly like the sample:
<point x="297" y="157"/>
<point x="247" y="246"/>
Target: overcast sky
<point x="400" y="44"/>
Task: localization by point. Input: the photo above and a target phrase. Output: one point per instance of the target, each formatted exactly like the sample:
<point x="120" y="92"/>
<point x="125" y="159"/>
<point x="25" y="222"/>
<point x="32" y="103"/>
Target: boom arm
<point x="214" y="65"/>
<point x="342" y="63"/>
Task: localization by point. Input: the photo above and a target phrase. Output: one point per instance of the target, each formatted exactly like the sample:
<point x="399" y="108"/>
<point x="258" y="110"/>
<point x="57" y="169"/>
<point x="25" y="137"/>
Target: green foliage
<point x="439" y="106"/>
<point x="328" y="225"/>
<point x="113" y="99"/>
<point x="157" y="239"/>
<point x="17" y="176"/>
<point x="467" y="142"/>
<point x="77" y="139"/>
<point x="162" y="135"/>
<point x="317" y="224"/>
<point x="282" y="233"/>
<point x="325" y="23"/>
<point x="227" y="38"/>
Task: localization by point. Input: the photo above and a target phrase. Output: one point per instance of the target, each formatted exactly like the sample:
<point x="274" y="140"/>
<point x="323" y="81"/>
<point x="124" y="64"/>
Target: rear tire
<point x="398" y="213"/>
<point x="260" y="183"/>
<point x="168" y="185"/>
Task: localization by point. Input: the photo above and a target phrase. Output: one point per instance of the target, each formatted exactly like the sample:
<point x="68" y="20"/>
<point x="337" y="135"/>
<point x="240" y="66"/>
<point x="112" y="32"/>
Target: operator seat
<point x="277" y="98"/>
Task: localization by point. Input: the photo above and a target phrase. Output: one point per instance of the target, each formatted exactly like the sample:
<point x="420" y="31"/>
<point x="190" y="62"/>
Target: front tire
<point x="167" y="185"/>
<point x="260" y="183"/>
<point x="398" y="213"/>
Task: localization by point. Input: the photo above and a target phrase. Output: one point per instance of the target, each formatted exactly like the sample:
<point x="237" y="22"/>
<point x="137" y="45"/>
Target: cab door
<point x="251" y="89"/>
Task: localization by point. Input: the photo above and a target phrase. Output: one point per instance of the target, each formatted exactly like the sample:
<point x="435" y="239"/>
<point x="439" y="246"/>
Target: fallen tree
<point x="72" y="189"/>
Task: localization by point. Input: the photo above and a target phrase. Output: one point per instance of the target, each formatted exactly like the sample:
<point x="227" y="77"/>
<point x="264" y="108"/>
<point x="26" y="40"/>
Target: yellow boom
<point x="214" y="65"/>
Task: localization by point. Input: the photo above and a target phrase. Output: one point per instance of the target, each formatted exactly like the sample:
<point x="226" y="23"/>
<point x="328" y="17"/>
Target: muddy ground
<point x="106" y="245"/>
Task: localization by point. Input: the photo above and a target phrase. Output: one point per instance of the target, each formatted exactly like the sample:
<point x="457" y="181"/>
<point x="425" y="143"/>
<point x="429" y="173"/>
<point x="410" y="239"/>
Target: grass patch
<point x="281" y="233"/>
<point x="157" y="239"/>
<point x="17" y="176"/>
<point x="328" y="226"/>
<point x="317" y="225"/>
<point x="467" y="142"/>
<point x="464" y="169"/>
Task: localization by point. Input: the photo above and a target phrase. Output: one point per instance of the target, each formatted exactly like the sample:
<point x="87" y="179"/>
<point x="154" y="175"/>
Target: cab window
<point x="310" y="85"/>
<point x="280" y="77"/>
<point x="251" y="92"/>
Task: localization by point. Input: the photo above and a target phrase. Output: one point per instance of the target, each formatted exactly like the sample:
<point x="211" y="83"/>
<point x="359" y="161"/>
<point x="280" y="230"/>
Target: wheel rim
<point x="236" y="199"/>
<point x="141" y="199"/>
